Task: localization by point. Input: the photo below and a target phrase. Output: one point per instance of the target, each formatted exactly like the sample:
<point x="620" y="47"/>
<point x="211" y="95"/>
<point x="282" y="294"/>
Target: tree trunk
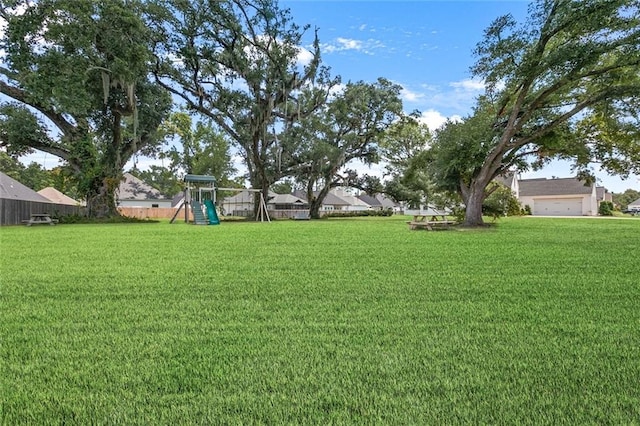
<point x="473" y="202"/>
<point x="101" y="201"/>
<point x="314" y="208"/>
<point x="315" y="202"/>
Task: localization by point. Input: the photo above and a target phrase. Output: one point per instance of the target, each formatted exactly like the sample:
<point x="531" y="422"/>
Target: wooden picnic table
<point x="40" y="219"/>
<point x="430" y="221"/>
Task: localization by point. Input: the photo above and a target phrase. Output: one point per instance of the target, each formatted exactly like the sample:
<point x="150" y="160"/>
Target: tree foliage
<point x="31" y="175"/>
<point x="563" y="84"/>
<point x="623" y="199"/>
<point x="605" y="208"/>
<point x="403" y="148"/>
<point x="349" y="127"/>
<point x="77" y="74"/>
<point x="201" y="149"/>
<point x="501" y="202"/>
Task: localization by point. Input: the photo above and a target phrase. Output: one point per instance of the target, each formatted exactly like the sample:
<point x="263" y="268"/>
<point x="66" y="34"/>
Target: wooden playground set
<point x="200" y="198"/>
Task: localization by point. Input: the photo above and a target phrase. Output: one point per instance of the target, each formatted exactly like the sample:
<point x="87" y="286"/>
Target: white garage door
<point x="558" y="207"/>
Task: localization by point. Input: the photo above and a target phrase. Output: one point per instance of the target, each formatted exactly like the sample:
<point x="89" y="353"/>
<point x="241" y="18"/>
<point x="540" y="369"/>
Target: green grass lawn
<point x="534" y="321"/>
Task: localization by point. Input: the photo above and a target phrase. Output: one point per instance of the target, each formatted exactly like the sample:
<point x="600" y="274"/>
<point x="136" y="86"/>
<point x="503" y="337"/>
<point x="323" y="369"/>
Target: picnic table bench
<point x="430" y="222"/>
<point x="40" y="218"/>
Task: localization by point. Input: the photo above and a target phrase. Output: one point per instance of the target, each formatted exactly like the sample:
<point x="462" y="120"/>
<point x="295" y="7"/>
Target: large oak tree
<point x="563" y="84"/>
<point x="76" y="72"/>
<point x="349" y="127"/>
<point x="237" y="63"/>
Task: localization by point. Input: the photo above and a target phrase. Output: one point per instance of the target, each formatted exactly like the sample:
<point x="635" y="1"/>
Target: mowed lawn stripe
<point x="532" y="321"/>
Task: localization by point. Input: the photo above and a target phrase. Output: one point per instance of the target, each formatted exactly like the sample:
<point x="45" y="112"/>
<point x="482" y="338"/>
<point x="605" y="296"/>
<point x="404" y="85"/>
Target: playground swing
<point x="263" y="213"/>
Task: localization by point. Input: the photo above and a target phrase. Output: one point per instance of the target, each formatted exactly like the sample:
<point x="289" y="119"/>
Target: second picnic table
<point x="430" y="221"/>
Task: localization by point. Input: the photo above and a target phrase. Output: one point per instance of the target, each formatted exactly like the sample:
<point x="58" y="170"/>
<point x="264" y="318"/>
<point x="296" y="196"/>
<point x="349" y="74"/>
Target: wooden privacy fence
<point x="13" y="212"/>
<point x="153" y="212"/>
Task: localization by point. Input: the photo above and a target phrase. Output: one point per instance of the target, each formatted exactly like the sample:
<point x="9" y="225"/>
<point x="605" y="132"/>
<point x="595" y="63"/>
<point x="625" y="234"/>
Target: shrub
<point x="361" y="213"/>
<point x="502" y="202"/>
<point x="606" y="208"/>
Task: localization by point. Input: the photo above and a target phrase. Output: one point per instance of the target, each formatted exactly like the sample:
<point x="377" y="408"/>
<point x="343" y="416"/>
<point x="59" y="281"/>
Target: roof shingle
<point x="543" y="186"/>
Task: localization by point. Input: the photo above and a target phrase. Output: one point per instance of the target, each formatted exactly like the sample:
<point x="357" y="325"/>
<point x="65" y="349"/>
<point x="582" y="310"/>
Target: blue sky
<point x="426" y="46"/>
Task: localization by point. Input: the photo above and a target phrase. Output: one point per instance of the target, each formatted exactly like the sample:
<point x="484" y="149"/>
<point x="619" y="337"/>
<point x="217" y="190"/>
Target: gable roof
<point x="243" y="196"/>
<point x="330" y="200"/>
<point x="603" y="194"/>
<point x="286" y="199"/>
<point x="132" y="188"/>
<point x="385" y="201"/>
<point x="57" y="197"/>
<point x="12" y="189"/>
<point x="507" y="180"/>
<point x="333" y="200"/>
<point x="368" y="199"/>
<point x="635" y="203"/>
<point x="544" y="186"/>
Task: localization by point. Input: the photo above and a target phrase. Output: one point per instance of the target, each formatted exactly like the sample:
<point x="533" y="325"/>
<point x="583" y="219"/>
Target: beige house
<point x="557" y="197"/>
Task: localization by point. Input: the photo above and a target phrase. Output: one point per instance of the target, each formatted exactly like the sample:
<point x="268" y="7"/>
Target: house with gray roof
<point x="634" y="205"/>
<point x="240" y="203"/>
<point x="388" y="204"/>
<point x="286" y="202"/>
<point x="133" y="192"/>
<point x="331" y="202"/>
<point x="603" y="194"/>
<point x="558" y="197"/>
<point x="373" y="202"/>
<point x="11" y="189"/>
<point x="353" y="203"/>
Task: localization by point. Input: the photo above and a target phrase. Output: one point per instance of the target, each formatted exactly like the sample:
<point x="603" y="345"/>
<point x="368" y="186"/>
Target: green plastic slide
<point x="211" y="213"/>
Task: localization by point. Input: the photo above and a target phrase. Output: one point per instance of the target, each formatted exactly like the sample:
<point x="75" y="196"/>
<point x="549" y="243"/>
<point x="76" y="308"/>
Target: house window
<point x="154" y="206"/>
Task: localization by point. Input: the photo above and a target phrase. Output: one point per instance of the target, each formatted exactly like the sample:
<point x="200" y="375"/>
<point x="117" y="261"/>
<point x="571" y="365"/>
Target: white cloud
<point x="349" y="43"/>
<point x="342" y="44"/>
<point x="410" y="96"/>
<point x="471" y="85"/>
<point x="304" y="57"/>
<point x="434" y="119"/>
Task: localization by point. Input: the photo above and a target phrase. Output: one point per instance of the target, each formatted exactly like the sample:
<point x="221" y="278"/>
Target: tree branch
<point x="56" y="118"/>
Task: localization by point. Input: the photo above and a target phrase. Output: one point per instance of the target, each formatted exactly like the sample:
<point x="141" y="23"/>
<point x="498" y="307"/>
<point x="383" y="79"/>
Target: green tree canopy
<point x="201" y="149"/>
<point x="349" y="127"/>
<point x="402" y="147"/>
<point x="623" y="199"/>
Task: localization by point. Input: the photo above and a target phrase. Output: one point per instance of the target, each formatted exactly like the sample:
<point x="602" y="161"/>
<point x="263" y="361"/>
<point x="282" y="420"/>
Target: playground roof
<point x="199" y="178"/>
